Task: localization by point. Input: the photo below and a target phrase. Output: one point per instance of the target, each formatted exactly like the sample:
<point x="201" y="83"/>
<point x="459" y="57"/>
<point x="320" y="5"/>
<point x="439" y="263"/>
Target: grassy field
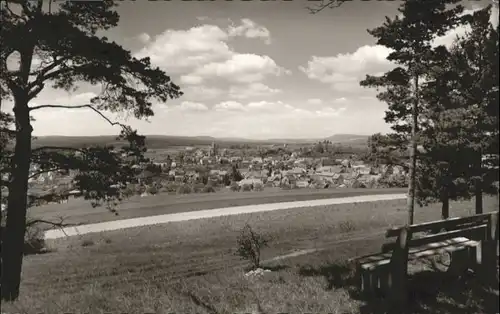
<point x="190" y="267"/>
<point x="79" y="211"/>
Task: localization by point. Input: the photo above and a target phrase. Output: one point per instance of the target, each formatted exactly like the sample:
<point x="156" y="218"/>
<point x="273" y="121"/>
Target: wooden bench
<point x="471" y="242"/>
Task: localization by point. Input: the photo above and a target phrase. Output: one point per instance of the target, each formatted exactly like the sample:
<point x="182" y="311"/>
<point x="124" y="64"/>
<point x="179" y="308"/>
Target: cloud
<point x="144" y="38"/>
<point x="340" y="100"/>
<point x="207" y="66"/>
<point x="243" y="68"/>
<point x="254" y="119"/>
<point x="229" y="106"/>
<point x="344" y="71"/>
<point x="250" y="29"/>
<point x="314" y="101"/>
<point x="181" y="51"/>
<point x="252" y="90"/>
<point x="191" y="79"/>
<point x="451" y="36"/>
<point x="193" y="106"/>
<point x="201" y="93"/>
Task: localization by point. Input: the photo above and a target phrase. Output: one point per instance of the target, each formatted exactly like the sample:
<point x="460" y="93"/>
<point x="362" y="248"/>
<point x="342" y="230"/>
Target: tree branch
<point x="79" y="107"/>
<point x="59" y="224"/>
<point x="56" y="148"/>
<point x="43" y="74"/>
<point x="326" y="4"/>
<point x="44" y="171"/>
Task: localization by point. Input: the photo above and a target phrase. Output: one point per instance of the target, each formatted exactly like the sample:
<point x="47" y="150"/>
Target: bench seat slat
<point x="430" y="249"/>
<point x="379" y="256"/>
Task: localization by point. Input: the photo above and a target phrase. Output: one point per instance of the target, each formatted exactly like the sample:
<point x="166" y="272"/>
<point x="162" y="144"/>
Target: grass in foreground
<point x="190" y="267"/>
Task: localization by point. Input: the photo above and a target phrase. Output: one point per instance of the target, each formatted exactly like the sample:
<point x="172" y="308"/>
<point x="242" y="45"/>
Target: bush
<point x="171" y="187"/>
<point x="198" y="187"/>
<point x="358" y="185"/>
<point x="34" y="241"/>
<point x="139" y="189"/>
<point x="285" y="186"/>
<point x="258" y="187"/>
<point x="346" y="226"/>
<point x="246" y="187"/>
<point x="250" y="245"/>
<point x="208" y="189"/>
<point x="234" y="187"/>
<point x="152" y="190"/>
<point x="184" y="189"/>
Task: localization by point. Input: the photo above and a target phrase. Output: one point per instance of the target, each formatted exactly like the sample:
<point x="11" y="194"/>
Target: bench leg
<point x="459" y="262"/>
<point x="398" y="287"/>
<point x="487" y="265"/>
<point x="384" y="283"/>
<point x="367" y="282"/>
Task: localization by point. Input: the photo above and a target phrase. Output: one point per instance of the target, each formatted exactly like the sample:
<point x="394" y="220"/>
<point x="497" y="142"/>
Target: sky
<point x="252" y="69"/>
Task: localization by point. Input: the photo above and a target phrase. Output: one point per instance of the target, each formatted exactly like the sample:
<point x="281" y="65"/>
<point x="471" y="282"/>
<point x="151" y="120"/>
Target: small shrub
<point x="358" y="185"/>
<point x="208" y="189"/>
<point x="285" y="186"/>
<point x="184" y="189"/>
<point x="250" y="245"/>
<point x="34" y="241"/>
<point x="258" y="187"/>
<point x="347" y="226"/>
<point x="128" y="192"/>
<point x="171" y="187"/>
<point x="152" y="190"/>
<point x="234" y="187"/>
<point x="87" y="242"/>
<point x="198" y="187"/>
<point x="246" y="187"/>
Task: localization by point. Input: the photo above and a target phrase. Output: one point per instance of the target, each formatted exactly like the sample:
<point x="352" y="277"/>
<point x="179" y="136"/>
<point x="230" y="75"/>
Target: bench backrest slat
<point x="449" y="224"/>
<point x="473" y="233"/>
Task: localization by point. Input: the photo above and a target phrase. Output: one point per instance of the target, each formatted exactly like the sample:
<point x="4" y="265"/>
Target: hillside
<point x="163" y="141"/>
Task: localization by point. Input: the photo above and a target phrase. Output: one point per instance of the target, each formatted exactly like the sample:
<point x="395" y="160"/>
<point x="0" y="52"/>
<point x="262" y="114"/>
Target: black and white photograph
<point x="249" y="156"/>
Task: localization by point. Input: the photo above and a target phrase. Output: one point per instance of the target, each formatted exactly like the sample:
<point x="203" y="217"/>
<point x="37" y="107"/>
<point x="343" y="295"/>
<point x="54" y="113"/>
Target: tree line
<point x="442" y="101"/>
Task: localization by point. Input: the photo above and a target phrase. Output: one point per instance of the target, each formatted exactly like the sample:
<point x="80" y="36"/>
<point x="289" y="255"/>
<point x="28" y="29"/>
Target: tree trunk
<point x="13" y="243"/>
<point x="445" y="204"/>
<point x="413" y="157"/>
<point x="478" y="188"/>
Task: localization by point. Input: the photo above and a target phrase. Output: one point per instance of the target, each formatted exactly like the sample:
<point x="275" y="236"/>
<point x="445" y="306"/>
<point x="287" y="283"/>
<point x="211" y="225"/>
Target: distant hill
<point x="164" y="141"/>
<point x="345" y="138"/>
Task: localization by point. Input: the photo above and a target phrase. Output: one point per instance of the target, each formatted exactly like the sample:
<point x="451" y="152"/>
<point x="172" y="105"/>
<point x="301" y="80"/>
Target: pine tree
<point x="460" y="118"/>
<point x="410" y="39"/>
<point x="67" y="44"/>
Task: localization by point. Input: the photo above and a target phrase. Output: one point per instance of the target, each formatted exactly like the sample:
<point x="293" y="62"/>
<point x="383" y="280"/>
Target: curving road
<point x="79" y="211"/>
<point x="200" y="214"/>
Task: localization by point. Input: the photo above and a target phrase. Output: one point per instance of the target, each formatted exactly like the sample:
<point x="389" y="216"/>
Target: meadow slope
<point x="191" y="266"/>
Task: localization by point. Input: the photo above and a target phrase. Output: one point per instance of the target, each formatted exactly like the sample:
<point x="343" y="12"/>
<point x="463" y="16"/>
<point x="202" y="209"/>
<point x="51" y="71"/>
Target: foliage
<point x="461" y="122"/>
<point x="246" y="187"/>
<point x="152" y="190"/>
<point x="235" y="174"/>
<point x="208" y="189"/>
<point x="390" y="149"/>
<point x="184" y="189"/>
<point x="226" y="180"/>
<point x="285" y="186"/>
<point x="409" y="38"/>
<point x="393" y="181"/>
<point x="250" y="245"/>
<point x="234" y="187"/>
<point x="69" y="49"/>
<point x="258" y="186"/>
